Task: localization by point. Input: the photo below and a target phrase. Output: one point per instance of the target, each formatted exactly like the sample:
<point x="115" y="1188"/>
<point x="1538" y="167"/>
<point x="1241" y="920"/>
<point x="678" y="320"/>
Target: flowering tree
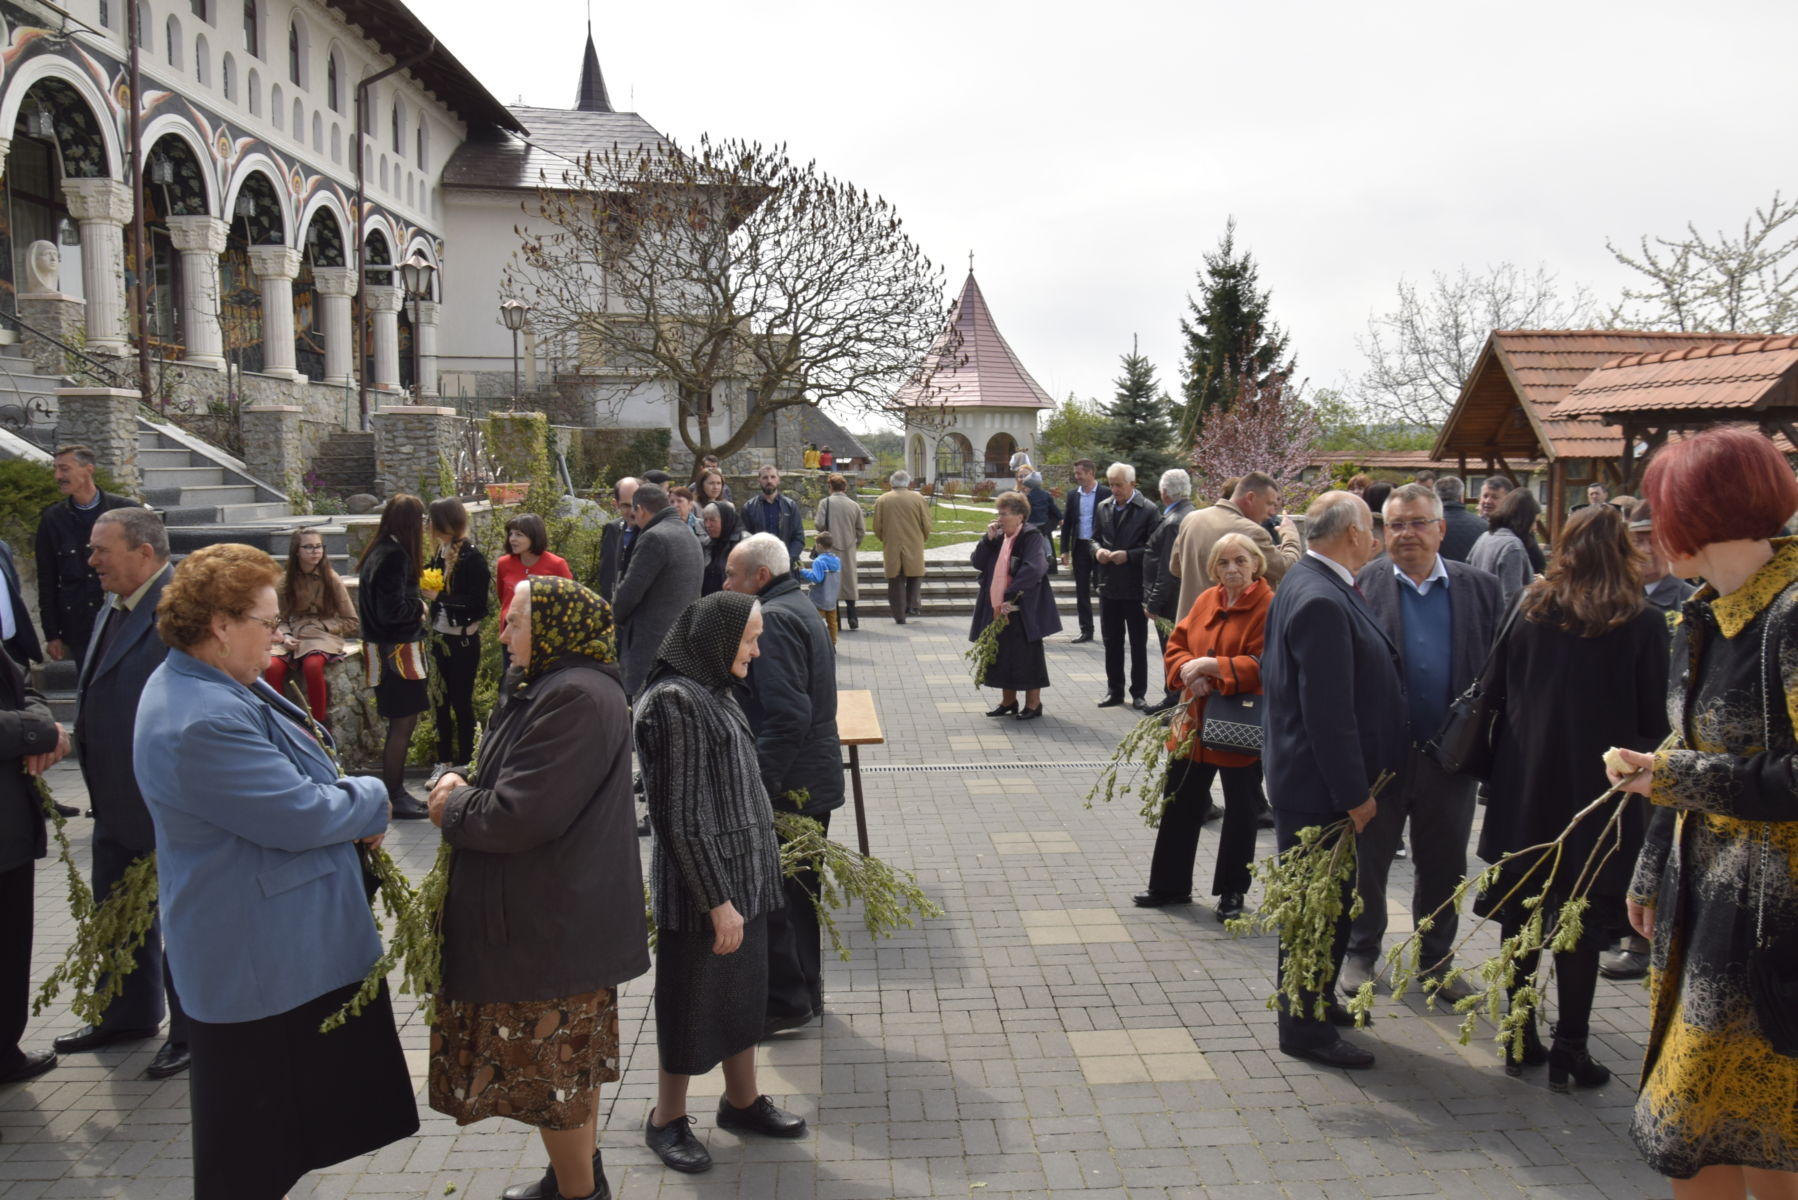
<point x="1268" y="428"/>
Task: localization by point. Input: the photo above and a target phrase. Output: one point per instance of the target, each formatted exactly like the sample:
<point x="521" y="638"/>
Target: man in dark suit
<point x="1161" y="587"/>
<point x="68" y="595"/>
<point x="1077" y="522"/>
<point x="131" y="555"/>
<point x="1120" y="543"/>
<point x="30" y="742"/>
<point x="16" y="630"/>
<point x="1335" y="721"/>
<point x="616" y="538"/>
<point x="667" y="571"/>
<point x="1441" y="615"/>
<point x="1463" y="528"/>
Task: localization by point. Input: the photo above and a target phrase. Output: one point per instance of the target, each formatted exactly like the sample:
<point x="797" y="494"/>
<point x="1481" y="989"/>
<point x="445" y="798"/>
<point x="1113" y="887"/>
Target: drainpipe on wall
<point x="135" y="176"/>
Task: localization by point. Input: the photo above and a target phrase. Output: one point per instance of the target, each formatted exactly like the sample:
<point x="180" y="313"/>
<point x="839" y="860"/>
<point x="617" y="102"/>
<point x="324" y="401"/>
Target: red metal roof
<point x="1711" y="381"/>
<point x="972" y="365"/>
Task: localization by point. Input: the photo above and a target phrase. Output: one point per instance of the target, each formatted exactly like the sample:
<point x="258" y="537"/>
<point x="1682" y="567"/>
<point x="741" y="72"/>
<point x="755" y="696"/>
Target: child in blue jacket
<point x="826" y="577"/>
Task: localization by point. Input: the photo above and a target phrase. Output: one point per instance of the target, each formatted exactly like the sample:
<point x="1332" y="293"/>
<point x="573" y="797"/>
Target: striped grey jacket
<point x="714" y="829"/>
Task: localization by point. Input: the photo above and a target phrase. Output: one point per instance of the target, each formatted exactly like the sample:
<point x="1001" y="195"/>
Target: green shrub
<point x="26" y="490"/>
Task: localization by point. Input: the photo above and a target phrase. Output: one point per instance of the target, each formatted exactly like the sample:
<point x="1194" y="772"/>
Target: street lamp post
<point x="416" y="274"/>
<point x="513" y="313"/>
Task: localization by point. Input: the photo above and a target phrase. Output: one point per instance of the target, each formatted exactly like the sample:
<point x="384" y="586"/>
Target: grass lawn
<point x="962" y="522"/>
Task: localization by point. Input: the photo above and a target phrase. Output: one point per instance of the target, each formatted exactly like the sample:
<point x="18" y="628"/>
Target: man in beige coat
<point x="902" y="523"/>
<point x="841" y="516"/>
<point x="1255" y="497"/>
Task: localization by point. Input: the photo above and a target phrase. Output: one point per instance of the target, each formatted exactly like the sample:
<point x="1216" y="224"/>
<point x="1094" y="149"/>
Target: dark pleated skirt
<point x="275" y="1098"/>
<point x="709" y="1006"/>
<point x="397" y="696"/>
<point x="1021" y="665"/>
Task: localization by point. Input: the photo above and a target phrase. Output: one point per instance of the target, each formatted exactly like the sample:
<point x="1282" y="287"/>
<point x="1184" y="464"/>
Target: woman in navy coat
<point x="1013" y="560"/>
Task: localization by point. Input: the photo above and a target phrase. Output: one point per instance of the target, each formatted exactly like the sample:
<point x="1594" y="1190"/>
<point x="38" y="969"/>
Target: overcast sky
<point x="1090" y="154"/>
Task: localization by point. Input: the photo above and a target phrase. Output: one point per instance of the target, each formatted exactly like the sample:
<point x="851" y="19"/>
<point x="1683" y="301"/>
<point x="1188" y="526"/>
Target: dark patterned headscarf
<point x="567" y="619"/>
<point x="703" y="642"/>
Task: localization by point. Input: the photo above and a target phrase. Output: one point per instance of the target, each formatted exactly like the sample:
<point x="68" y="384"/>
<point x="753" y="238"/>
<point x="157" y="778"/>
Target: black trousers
<point x="1116" y="619"/>
<point x="458" y="659"/>
<point x="140" y="1004"/>
<point x="1302" y="1028"/>
<point x="1082" y="558"/>
<point x="17" y="900"/>
<point x="795" y="950"/>
<point x="1177" y="841"/>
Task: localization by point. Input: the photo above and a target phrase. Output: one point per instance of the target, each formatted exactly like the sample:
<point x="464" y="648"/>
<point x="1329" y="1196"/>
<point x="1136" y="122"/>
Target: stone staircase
<point x="27" y="400"/>
<point x="949" y="589"/>
<point x="345" y="463"/>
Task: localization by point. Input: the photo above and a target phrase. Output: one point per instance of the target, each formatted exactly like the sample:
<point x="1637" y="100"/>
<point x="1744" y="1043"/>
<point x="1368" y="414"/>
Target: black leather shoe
<point x="898" y="620"/>
<point x="1213" y="812"/>
<point x="782" y="1024"/>
<point x="1004" y="710"/>
<point x="172" y="1059"/>
<point x="675" y="1144"/>
<point x="1139" y="704"/>
<point x="33" y="1065"/>
<point x="1162" y="705"/>
<point x="1158" y="899"/>
<point x="1085" y="637"/>
<point x="1229" y="906"/>
<point x="1111" y="701"/>
<point x="1264" y="819"/>
<point x="545" y="1188"/>
<point x="69" y="810"/>
<point x="1338" y="1053"/>
<point x="601" y="1190"/>
<point x="1030" y="714"/>
<point x="90" y="1037"/>
<point x="761" y="1117"/>
<point x="407" y="807"/>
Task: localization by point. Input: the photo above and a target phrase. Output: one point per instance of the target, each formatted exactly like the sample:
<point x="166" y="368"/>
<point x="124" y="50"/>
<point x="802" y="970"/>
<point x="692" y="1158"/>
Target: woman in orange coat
<point x="1215" y="649"/>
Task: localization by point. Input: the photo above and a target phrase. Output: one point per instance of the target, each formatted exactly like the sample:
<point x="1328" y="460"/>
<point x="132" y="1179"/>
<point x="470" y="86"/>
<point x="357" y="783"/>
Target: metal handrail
<point x="113" y="378"/>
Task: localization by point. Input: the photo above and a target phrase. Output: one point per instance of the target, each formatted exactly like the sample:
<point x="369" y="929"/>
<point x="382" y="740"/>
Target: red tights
<point x="313" y="668"/>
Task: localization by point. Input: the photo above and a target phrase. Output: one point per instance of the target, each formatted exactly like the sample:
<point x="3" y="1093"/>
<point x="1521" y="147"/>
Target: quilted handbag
<point x="1233" y="723"/>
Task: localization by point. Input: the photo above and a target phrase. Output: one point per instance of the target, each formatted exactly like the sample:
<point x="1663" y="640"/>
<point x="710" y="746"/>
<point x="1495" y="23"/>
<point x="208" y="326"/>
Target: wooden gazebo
<point x="1508" y="408"/>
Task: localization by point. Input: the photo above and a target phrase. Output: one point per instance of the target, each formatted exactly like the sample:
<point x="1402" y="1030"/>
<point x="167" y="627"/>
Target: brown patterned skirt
<point x="535" y="1061"/>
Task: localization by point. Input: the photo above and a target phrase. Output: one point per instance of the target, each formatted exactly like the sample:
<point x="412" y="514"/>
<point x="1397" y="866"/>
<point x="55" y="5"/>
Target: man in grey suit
<point x="129" y="549"/>
<point x="666" y="572"/>
<point x="1441" y="615"/>
<point x="1335" y="721"/>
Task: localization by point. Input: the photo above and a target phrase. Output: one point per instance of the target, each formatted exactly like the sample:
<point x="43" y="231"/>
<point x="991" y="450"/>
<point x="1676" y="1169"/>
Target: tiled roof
<point x="816" y="425"/>
<point x="973" y="365"/>
<point x="392" y="26"/>
<point x="558" y="138"/>
<point x="1710" y="381"/>
<point x="1508" y="404"/>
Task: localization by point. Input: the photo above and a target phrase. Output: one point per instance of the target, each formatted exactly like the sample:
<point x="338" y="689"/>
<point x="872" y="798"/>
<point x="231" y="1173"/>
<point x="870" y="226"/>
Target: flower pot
<point x="507" y="493"/>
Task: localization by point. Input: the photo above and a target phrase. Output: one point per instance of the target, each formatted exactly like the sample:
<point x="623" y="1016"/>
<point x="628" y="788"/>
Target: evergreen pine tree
<point x="1139" y="425"/>
<point x="1229" y="334"/>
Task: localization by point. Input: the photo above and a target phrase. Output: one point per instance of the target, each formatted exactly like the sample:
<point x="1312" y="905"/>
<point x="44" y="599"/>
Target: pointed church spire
<point x="592" y="97"/>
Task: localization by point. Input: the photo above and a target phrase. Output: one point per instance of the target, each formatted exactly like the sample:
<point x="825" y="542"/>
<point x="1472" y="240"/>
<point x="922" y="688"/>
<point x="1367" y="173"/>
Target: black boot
<point x="849" y="614"/>
<point x="1568" y="1062"/>
<point x="545" y="1188"/>
<point x="1534" y="1052"/>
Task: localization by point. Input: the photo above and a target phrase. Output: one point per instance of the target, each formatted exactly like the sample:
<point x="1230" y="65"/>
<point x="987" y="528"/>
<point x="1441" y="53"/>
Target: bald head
<point x="1339" y="526"/>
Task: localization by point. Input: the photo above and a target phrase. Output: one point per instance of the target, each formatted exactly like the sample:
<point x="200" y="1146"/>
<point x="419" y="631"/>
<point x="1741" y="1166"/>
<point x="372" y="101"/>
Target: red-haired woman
<point x="1716" y="886"/>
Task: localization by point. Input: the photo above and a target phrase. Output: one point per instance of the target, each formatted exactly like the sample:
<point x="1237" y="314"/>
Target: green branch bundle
<point x="416" y="948"/>
<point x="108" y="934"/>
<point x="890" y="898"/>
<point x="1142" y="761"/>
<point x="985" y="651"/>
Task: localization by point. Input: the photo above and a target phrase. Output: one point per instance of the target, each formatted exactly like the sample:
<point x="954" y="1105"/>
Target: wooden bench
<point x="858" y="724"/>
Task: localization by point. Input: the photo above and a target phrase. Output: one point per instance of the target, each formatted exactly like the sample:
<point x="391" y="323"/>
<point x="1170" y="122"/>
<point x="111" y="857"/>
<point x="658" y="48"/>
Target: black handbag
<point x="1233" y="723"/>
<point x="1463" y="746"/>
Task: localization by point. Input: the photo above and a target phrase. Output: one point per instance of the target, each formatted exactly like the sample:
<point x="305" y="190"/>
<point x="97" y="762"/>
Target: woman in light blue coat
<point x="266" y="922"/>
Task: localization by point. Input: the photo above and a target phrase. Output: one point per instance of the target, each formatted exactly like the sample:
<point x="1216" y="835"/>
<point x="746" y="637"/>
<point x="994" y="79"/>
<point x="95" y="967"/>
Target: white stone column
<point x="103" y="208"/>
<point x="384" y="314"/>
<point x="276" y="267"/>
<point x="335" y="286"/>
<point x="426" y="333"/>
<point x="200" y="239"/>
<point x="5" y="149"/>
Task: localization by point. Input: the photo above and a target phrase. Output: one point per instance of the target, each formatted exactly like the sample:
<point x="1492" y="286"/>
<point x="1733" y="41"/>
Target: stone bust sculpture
<point x="43" y="269"/>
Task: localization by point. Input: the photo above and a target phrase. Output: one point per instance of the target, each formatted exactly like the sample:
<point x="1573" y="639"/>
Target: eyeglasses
<point x="269" y="623"/>
<point x="1408" y="526"/>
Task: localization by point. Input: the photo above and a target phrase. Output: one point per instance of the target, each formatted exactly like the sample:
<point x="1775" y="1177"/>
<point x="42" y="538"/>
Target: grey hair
<point x="1177" y="484"/>
<point x="1124" y="469"/>
<point x="899" y="479"/>
<point x="1413" y="493"/>
<point x="711" y="510"/>
<point x="1451" y="489"/>
<point x="765" y="550"/>
<point x="1034" y="479"/>
<point x="1332" y="514"/>
<point x="140" y="527"/>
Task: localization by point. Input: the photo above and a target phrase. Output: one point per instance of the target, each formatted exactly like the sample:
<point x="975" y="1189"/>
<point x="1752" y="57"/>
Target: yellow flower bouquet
<point x="430" y="580"/>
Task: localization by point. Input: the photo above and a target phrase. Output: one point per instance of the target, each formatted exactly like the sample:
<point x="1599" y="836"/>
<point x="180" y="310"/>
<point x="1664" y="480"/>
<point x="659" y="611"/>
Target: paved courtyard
<point x="1043" y="1038"/>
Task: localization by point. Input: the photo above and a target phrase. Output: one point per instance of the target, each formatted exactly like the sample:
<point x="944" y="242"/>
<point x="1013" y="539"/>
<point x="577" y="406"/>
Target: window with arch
<point x="172" y="41"/>
<point x="252" y="92"/>
<point x="368" y="114"/>
<point x="336" y="143"/>
<point x="143" y="26"/>
<point x="252" y="27"/>
<point x="383" y="172"/>
<point x="333" y="89"/>
<point x="202" y="62"/>
<point x="106" y="13"/>
<point x="228" y="77"/>
<point x="423" y="140"/>
<point x="198" y="8"/>
<point x="408" y="189"/>
<point x="277" y="107"/>
<point x="396" y="126"/>
<point x="299" y="121"/>
<point x="296" y="53"/>
<point x="318" y="134"/>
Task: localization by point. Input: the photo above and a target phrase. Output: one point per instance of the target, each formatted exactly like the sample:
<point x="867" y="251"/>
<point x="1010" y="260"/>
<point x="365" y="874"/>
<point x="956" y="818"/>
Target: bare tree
<point x="1747" y="283"/>
<point x="1420" y="353"/>
<point x="731" y="276"/>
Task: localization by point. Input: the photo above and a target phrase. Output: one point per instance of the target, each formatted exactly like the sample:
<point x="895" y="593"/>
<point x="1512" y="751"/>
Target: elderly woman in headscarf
<point x="715" y="873"/>
<point x="544" y="914"/>
<point x="725" y="529"/>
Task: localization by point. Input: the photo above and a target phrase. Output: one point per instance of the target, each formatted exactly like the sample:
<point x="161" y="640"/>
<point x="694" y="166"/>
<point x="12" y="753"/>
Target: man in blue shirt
<point x="1441" y="615"/>
<point x="1077" y="538"/>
